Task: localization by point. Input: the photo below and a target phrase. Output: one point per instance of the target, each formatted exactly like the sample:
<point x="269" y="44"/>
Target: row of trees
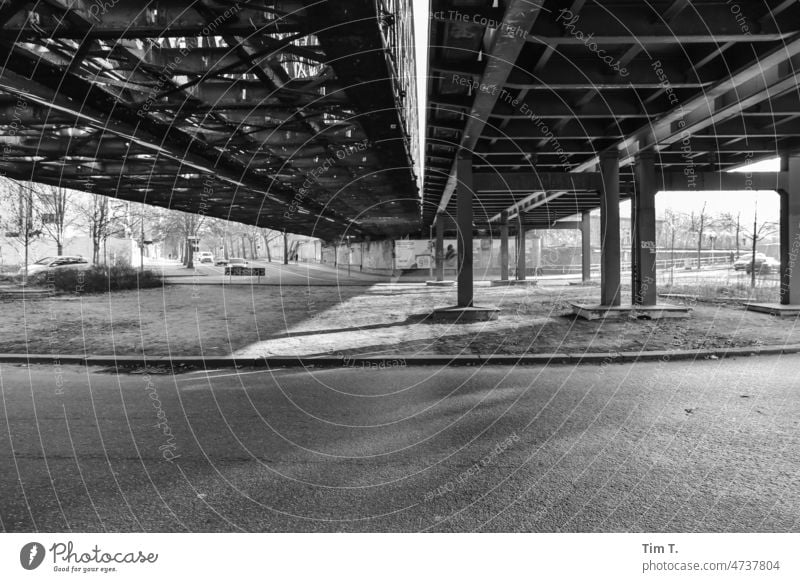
<point x="31" y="211"/>
<point x="701" y="230"/>
<point x="727" y="230"/>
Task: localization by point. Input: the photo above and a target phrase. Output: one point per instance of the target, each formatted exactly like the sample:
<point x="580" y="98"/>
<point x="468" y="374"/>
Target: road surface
<point x="684" y="446"/>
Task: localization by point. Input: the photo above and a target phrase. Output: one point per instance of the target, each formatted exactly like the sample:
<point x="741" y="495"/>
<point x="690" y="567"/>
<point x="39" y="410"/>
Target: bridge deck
<point x="286" y="114"/>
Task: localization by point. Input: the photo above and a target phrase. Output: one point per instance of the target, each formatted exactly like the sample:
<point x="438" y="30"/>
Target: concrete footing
<point x="775" y="309"/>
<point x="440" y="283"/>
<point x="465" y="314"/>
<point x="629" y="311"/>
<point x="501" y="283"/>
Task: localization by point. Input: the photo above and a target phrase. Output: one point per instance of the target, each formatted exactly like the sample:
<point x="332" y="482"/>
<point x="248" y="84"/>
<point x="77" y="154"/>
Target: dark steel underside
<point x="281" y="114"/>
<point x="705" y="87"/>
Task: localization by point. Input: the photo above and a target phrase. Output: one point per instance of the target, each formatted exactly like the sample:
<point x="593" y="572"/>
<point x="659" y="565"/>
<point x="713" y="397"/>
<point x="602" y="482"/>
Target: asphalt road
<point x="705" y="446"/>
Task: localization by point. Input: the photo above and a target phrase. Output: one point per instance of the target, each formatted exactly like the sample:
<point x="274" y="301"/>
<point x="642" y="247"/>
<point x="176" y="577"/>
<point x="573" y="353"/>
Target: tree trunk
<point x="700" y="246"/>
<point x="738" y="233"/>
<point x="266" y="246"/>
<point x="189" y="254"/>
<point x="285" y="249"/>
<point x="753" y="256"/>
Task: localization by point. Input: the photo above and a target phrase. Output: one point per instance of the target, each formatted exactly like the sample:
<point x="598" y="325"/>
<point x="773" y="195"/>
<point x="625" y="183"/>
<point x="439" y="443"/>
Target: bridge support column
<point x="789" y="305"/>
<point x="790" y="235"/>
<point x="586" y="247"/>
<point x="464" y="219"/>
<point x="521" y="252"/>
<point x="609" y="230"/>
<point x="439" y="248"/>
<point x="643" y="232"/>
<point x="504" y="246"/>
<point x="465" y="311"/>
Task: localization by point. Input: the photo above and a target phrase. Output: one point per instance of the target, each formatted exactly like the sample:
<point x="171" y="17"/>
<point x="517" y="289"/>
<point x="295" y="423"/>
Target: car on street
<point x="238" y="262"/>
<point x="205" y="257"/>
<point x="768" y="265"/>
<point x="743" y="262"/>
<point x="59" y="262"/>
<point x="220" y="262"/>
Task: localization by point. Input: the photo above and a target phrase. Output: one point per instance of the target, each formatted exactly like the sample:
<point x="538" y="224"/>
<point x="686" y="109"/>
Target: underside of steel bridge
<point x="540" y="110"/>
<point x="292" y="114"/>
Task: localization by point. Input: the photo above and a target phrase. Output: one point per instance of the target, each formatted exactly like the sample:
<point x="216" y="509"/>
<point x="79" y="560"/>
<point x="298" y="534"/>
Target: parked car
<point x="743" y="262"/>
<point x="220" y="262"/>
<point x="59" y="262"/>
<point x="768" y="265"/>
<point x="205" y="257"/>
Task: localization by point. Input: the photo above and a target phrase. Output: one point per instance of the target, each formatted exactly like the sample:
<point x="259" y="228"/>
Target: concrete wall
<point x="379" y="256"/>
<point x="368" y="256"/>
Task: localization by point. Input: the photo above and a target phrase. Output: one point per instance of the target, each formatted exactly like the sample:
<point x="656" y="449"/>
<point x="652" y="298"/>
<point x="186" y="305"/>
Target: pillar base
<point x="503" y="283"/>
<point x="775" y="309"/>
<point x="465" y="314"/>
<point x="440" y="283"/>
<point x="592" y="312"/>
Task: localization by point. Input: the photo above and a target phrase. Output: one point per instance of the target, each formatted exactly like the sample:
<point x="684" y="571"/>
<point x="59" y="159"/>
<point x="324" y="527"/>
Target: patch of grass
<point x="98" y="279"/>
<point x="765" y="290"/>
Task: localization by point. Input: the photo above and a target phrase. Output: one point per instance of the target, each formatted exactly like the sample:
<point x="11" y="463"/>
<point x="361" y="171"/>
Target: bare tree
<point x="675" y="222"/>
<point x="99" y="215"/>
<point x="189" y="225"/>
<point x="759" y="232"/>
<point x="699" y="224"/>
<point x="23" y="223"/>
<point x="54" y="206"/>
<point x="733" y="223"/>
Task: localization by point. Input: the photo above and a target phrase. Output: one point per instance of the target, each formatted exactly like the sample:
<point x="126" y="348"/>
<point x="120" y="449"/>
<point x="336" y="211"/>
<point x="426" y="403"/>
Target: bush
<point x="97" y="279"/>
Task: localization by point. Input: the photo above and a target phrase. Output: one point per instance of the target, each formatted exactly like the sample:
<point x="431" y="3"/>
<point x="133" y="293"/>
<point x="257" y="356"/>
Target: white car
<point x="204" y="257"/>
<point x="60" y="262"/>
<point x="238" y="262"/>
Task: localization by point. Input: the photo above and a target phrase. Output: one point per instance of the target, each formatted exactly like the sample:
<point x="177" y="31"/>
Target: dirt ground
<point x="377" y="319"/>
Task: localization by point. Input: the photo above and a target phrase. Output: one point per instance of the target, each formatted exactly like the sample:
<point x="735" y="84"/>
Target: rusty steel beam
<point x="520" y="15"/>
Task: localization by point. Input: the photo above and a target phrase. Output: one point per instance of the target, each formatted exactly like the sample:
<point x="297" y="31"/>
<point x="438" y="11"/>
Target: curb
<point x="603" y="358"/>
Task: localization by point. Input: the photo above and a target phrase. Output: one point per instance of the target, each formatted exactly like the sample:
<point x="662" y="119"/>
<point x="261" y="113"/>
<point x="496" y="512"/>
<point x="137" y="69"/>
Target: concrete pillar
<point x="643" y="231"/>
<point x="609" y="230"/>
<point x="504" y="246"/>
<point x="790" y="234"/>
<point x="464" y="219"/>
<point x="439" y="248"/>
<point x="586" y="247"/>
<point x="521" y="253"/>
